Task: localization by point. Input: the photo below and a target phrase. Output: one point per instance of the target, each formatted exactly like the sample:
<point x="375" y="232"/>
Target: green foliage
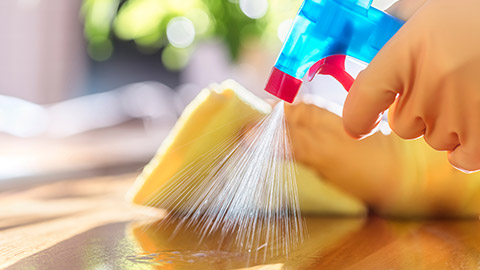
<point x="98" y="18"/>
<point x="232" y="25"/>
<point x="145" y="22"/>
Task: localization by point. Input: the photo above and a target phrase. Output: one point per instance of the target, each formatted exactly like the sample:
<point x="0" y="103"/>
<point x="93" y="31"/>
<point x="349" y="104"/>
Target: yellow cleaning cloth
<point x="217" y="114"/>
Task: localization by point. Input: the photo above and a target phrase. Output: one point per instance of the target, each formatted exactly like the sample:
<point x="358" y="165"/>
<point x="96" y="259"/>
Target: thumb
<point x="464" y="160"/>
<point x="365" y="104"/>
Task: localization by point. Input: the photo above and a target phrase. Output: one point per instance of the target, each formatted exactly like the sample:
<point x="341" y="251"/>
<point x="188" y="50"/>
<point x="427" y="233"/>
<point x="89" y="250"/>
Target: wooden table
<point x="86" y="224"/>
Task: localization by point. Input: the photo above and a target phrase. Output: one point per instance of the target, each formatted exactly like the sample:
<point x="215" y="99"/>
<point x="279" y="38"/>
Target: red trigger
<point x="334" y="66"/>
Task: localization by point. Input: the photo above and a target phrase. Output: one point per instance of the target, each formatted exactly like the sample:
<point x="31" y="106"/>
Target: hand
<point x="319" y="141"/>
<point x="428" y="75"/>
<point x="393" y="176"/>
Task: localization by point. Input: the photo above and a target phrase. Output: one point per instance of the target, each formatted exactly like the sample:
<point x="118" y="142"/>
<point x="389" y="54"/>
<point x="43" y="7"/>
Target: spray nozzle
<point x="323" y="33"/>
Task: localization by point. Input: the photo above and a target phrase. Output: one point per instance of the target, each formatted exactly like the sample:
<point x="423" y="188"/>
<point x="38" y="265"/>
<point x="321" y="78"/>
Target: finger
<point x="297" y="114"/>
<point x="302" y="142"/>
<point x="404" y="122"/>
<point x="365" y="104"/>
<point x="441" y="141"/>
<point x="465" y="159"/>
<point x="376" y="87"/>
<point x="327" y="125"/>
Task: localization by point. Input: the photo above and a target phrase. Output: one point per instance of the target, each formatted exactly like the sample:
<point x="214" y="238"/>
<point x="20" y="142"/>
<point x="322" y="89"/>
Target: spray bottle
<point x="323" y="33"/>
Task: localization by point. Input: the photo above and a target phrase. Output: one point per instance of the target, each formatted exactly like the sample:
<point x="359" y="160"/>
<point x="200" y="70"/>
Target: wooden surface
<point x="86" y="224"/>
<point x="34" y="219"/>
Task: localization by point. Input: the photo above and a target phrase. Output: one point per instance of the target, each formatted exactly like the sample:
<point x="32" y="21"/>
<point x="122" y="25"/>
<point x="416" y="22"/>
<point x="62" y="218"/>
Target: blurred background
<point x="93" y="86"/>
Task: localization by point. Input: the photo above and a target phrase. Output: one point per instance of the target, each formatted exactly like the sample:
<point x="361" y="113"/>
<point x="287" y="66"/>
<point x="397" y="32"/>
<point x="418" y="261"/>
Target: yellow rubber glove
<point x="394" y="177"/>
<point x="429" y="71"/>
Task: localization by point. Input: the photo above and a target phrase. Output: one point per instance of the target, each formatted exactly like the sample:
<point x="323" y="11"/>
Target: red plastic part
<point x="335" y="66"/>
<point x="282" y="85"/>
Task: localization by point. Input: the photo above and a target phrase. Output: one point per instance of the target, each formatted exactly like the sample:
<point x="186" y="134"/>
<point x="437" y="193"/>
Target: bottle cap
<point x="282" y="85"/>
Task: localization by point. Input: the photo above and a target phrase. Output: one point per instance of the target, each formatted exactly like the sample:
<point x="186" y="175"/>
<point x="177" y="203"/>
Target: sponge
<point x="217" y="114"/>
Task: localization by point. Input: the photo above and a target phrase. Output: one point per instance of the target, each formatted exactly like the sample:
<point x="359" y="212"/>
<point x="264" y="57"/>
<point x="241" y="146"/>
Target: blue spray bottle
<point x="322" y="35"/>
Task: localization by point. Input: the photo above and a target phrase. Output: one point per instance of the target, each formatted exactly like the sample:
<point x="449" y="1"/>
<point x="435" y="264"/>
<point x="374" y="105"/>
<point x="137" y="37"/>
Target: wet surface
<point x="188" y="258"/>
<point x="146" y="245"/>
<point x="97" y="232"/>
<point x="372" y="243"/>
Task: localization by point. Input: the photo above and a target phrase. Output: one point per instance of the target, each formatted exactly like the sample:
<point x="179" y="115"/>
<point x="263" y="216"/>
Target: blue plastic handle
<point x="324" y="28"/>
